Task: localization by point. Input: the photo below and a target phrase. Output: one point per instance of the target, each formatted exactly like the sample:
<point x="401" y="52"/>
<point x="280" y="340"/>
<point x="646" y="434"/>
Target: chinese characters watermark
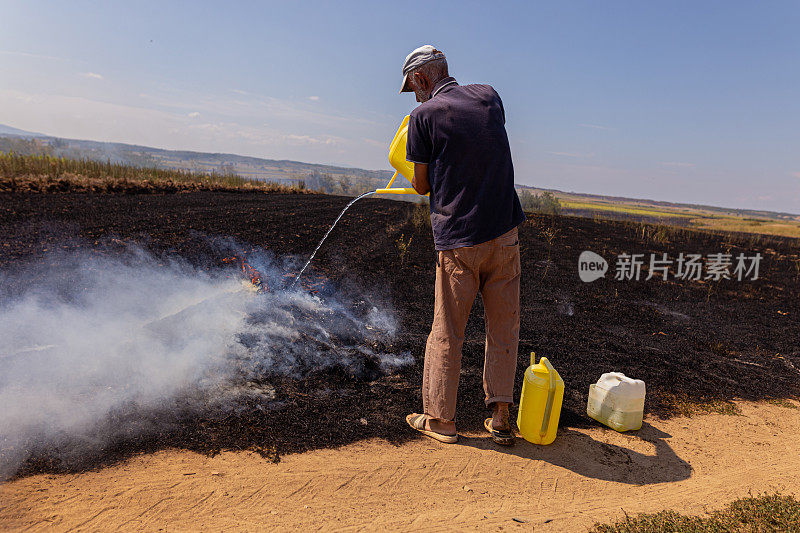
<point x="687" y="267"/>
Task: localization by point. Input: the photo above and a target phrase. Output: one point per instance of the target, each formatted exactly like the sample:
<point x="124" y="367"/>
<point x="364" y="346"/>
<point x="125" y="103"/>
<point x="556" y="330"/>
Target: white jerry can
<point x="617" y="401"/>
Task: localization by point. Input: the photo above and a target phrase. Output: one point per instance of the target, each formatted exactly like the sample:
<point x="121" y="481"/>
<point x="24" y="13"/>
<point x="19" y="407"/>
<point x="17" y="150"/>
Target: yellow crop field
<point x="621" y="208"/>
<point x="696" y="217"/>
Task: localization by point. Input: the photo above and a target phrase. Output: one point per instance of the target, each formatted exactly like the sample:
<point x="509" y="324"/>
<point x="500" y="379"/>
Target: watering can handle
<point x="551" y="393"/>
<point x="551" y="372"/>
<point x="397" y="190"/>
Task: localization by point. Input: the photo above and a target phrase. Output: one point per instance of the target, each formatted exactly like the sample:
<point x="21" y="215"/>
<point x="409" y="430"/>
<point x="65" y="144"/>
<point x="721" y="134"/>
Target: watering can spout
<point x="397" y="158"/>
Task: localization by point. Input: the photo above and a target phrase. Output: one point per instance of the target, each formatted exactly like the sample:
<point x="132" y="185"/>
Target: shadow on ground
<point x="580" y="453"/>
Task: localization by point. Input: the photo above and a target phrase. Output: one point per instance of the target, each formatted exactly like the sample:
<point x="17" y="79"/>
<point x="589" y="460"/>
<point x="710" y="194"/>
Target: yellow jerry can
<point x="540" y="402"/>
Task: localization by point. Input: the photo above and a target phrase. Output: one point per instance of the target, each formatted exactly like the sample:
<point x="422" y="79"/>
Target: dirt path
<point x="585" y="476"/>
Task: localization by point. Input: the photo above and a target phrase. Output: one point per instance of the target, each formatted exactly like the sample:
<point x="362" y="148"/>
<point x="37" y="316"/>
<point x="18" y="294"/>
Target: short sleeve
<point x="502" y="109"/>
<point x="418" y="143"/>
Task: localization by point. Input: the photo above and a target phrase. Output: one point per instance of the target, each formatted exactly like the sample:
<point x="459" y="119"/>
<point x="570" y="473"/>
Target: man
<point x="458" y="144"/>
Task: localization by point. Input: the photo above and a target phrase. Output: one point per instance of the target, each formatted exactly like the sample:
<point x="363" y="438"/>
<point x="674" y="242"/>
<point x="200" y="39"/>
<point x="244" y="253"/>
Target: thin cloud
<point x="596" y="127"/>
<point x="28" y="54"/>
<point x="307" y="139"/>
<point x="571" y="154"/>
<point x="262" y="129"/>
<point x="92" y="75"/>
<point x="676" y="164"/>
<point x="251" y="105"/>
<point x="193" y="114"/>
<point x="795" y="174"/>
<point x="314" y="98"/>
<point x="239" y="132"/>
<point x="373" y="142"/>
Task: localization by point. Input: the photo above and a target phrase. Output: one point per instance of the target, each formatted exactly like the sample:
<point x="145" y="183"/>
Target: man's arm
<point x="420" y="181"/>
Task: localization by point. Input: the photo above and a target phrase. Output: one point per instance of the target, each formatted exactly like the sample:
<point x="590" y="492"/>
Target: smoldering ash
<point x="92" y="345"/>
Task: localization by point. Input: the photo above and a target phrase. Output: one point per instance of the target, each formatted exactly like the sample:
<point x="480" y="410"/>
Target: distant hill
<point x="353" y="181"/>
<point x="568" y="198"/>
<point x="330" y="178"/>
<point x="8" y="130"/>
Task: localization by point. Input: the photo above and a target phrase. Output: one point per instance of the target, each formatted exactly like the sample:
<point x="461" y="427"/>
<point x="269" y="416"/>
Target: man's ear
<point x="422" y="81"/>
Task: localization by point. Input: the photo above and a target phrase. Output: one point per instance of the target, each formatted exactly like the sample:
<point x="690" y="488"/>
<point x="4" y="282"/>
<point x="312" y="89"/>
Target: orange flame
<point x="250" y="273"/>
<point x="311" y="283"/>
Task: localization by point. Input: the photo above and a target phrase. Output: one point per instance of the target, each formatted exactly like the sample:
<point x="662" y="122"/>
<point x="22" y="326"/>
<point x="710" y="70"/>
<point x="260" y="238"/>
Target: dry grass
<point x="421" y="216"/>
<point x="403" y="246"/>
<point x="682" y="405"/>
<point x="44" y="173"/>
<point x="694" y="217"/>
<point x="659" y="234"/>
<point x="749" y="225"/>
<point x="783" y="402"/>
<point x="775" y="512"/>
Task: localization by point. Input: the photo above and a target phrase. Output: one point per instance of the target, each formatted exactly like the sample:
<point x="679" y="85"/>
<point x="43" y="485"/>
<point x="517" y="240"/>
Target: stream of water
<point x="328" y="233"/>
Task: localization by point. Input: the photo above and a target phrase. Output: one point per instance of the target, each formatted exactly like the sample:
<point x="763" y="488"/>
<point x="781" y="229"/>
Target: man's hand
<point x="420" y="181"/>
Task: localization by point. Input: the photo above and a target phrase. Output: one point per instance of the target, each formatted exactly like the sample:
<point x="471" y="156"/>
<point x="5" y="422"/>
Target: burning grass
<point x="127" y="349"/>
<point x="767" y="512"/>
<point x="45" y="173"/>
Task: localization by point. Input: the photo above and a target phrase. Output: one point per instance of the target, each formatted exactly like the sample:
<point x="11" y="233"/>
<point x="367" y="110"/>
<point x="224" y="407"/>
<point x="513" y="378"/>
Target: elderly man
<point x="458" y="144"/>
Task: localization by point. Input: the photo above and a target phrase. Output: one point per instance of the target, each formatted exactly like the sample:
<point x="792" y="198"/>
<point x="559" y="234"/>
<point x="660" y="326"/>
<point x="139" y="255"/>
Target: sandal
<point x="417" y="422"/>
<point x="503" y="437"/>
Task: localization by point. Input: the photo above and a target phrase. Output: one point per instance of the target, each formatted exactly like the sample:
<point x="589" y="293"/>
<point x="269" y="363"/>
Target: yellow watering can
<point x="540" y="403"/>
<point x="397" y="158"/>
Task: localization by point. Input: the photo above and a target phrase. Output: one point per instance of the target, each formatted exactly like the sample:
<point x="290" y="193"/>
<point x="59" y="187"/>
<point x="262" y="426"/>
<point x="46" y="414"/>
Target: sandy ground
<point x="588" y="475"/>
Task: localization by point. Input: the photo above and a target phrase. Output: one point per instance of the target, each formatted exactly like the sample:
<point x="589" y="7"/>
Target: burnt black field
<point x="695" y="343"/>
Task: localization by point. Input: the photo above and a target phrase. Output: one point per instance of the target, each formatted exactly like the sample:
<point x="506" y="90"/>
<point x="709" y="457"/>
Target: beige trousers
<point x="493" y="268"/>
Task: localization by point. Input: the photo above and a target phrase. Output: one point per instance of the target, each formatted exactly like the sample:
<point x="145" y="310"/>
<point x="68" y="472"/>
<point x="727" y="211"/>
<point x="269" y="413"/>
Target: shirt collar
<point x="444" y="82"/>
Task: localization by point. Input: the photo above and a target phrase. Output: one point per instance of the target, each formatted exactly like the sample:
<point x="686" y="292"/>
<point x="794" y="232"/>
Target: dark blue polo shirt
<point x="460" y="133"/>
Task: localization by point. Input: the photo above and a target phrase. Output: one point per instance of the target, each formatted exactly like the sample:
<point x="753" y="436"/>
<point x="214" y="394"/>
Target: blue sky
<point x="680" y="101"/>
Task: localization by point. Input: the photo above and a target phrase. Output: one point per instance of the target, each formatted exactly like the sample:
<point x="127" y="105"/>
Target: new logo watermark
<point x="591" y="266"/>
<point x="690" y="267"/>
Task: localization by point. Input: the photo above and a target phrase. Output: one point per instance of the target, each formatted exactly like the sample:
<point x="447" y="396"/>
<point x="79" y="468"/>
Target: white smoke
<point x="99" y="340"/>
